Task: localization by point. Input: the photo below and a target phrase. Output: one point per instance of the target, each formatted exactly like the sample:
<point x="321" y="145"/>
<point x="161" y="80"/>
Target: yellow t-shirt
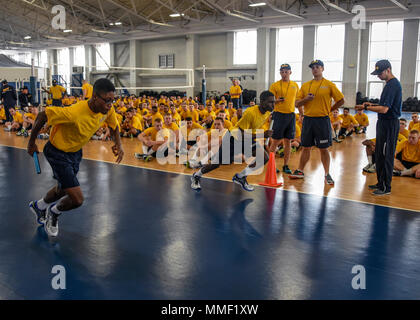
<point x="347" y="120"/>
<point x="156" y="135"/>
<point x="18" y="117"/>
<point x="57" y="92"/>
<point x="235" y="92"/>
<point x="333" y="119"/>
<point x="193" y="114"/>
<point x="252" y="119"/>
<point x="410" y="153"/>
<point x="119" y="118"/>
<point x="136" y="123"/>
<point x="192" y="133"/>
<point x="287" y="90"/>
<point x="414" y="126"/>
<point x="227" y="125"/>
<point x="323" y="90"/>
<point x="400" y="138"/>
<point x="89" y="90"/>
<point x="173" y="126"/>
<point x="157" y="115"/>
<point x="73" y="127"/>
<point x="203" y="114"/>
<point x="122" y="109"/>
<point x="362" y="119"/>
<point x="2" y="114"/>
<point x="30" y="115"/>
<point x="66" y="102"/>
<point x="405" y="133"/>
<point x="298" y="131"/>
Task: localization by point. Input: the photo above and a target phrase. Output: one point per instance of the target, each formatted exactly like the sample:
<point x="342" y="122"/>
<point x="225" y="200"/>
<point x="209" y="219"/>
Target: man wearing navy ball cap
<point x="387" y="126"/>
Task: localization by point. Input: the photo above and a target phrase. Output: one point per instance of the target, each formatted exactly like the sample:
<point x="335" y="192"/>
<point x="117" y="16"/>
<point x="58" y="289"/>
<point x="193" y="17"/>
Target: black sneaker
<point x="374" y="186"/>
<point x="40" y="214"/>
<point x="242" y="182"/>
<point x="379" y="192"/>
<point x="51" y="223"/>
<point x="396" y="173"/>
<point x="195" y="182"/>
<point x="286" y="169"/>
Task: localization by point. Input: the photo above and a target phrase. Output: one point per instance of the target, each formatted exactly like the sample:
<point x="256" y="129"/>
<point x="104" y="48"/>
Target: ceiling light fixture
<point x="27" y="37"/>
<point x="175" y="15"/>
<point x="118" y="23"/>
<point x="67" y="30"/>
<point x="259" y="4"/>
<point x="103" y="31"/>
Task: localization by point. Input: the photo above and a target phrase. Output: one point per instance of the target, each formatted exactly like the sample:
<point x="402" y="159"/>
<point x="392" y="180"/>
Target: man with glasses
<point x="315" y="96"/>
<point x="387" y="126"/>
<point x="72" y="128"/>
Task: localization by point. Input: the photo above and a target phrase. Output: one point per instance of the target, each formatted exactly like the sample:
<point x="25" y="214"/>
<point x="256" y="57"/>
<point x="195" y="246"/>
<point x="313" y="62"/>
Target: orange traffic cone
<point x="271" y="175"/>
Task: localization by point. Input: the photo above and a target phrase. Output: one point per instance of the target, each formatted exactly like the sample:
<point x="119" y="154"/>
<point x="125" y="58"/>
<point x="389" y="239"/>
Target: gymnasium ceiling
<point x="91" y="20"/>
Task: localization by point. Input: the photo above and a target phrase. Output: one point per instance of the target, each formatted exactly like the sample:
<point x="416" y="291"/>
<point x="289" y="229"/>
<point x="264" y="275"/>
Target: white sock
<point x="55" y="210"/>
<point x="246" y="172"/>
<point x="199" y="173"/>
<point x="150" y="152"/>
<point x="347" y="132"/>
<point x="406" y="172"/>
<point x="334" y="134"/>
<point x="206" y="157"/>
<point x="42" y="205"/>
<point x="144" y="148"/>
<point x="370" y="159"/>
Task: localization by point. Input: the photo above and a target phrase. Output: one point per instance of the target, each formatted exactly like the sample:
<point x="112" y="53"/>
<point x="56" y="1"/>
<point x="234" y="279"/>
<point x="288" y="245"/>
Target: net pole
<point x="203" y="86"/>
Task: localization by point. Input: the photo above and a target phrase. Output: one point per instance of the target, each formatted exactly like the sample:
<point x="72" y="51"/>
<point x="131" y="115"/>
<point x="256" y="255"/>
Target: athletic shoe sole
<point x="293" y="176"/>
<point x="46" y="229"/>
<point x="381" y="194"/>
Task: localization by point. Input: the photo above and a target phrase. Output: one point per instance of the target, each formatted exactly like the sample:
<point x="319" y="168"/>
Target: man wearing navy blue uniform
<point x="8" y="97"/>
<point x="387" y="126"/>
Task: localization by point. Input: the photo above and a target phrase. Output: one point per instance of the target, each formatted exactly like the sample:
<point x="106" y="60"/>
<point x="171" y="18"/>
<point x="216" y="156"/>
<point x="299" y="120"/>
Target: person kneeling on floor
<point x="407" y="159"/>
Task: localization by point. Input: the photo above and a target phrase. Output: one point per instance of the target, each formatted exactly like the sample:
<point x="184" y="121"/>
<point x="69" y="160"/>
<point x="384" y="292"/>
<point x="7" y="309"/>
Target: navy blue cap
<point x="380" y="66"/>
<point x="285" y="66"/>
<point x="316" y="62"/>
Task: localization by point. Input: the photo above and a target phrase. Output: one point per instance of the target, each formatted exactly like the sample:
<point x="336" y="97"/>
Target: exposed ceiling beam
<point x="273" y="7"/>
<point x="336" y="6"/>
<point x="214" y="5"/>
<point x="322" y="5"/>
<point x="399" y="4"/>
<point x="137" y="14"/>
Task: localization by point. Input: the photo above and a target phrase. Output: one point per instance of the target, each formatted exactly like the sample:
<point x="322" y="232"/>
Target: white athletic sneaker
<point x="367" y="167"/>
<point x="51" y="223"/>
<point x="195" y="182"/>
<point x="372" y="168"/>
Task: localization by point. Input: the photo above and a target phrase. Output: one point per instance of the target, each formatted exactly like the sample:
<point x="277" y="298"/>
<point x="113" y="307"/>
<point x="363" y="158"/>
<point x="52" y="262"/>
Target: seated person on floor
<point x="336" y="121"/>
<point x="363" y="121"/>
<point x="237" y="116"/>
<point x="226" y="124"/>
<point x="189" y="134"/>
<point x="210" y="146"/>
<point x="403" y="128"/>
<point x="370" y="152"/>
<point x="407" y="156"/>
<point x="415" y="122"/>
<point x="28" y="121"/>
<point x="349" y="124"/>
<point x="103" y="133"/>
<point x="131" y="126"/>
<point x="152" y="139"/>
<point x="16" y="124"/>
<point x="171" y="126"/>
<point x="2" y="114"/>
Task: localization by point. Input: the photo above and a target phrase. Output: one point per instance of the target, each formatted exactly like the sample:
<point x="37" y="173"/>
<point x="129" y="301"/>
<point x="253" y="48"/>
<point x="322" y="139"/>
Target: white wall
<point x="14" y="74"/>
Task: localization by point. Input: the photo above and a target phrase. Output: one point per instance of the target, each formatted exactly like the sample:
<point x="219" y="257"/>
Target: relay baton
<point x="36" y="161"/>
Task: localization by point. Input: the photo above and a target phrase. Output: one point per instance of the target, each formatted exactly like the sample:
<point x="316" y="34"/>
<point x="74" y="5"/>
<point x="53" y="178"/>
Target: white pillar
<point x="263" y="59"/>
<point x="308" y="52"/>
<point x="409" y="57"/>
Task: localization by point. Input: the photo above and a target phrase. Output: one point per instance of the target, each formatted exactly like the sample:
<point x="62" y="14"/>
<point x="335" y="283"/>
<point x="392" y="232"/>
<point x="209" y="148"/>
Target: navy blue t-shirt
<point x="391" y="97"/>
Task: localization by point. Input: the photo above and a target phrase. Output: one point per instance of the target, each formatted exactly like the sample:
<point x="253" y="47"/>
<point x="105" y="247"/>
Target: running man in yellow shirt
<point x="284" y="125"/>
<point x="72" y="128"/>
<point x="316" y="96"/>
<point x="253" y="119"/>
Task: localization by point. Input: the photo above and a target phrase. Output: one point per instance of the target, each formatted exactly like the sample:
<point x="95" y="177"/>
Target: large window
<point x="418" y="69"/>
<point x="290" y="50"/>
<point x="329" y="47"/>
<point x="245" y="47"/>
<point x="103" y="56"/>
<point x="385" y="43"/>
<point x="63" y="66"/>
<point x="79" y="58"/>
